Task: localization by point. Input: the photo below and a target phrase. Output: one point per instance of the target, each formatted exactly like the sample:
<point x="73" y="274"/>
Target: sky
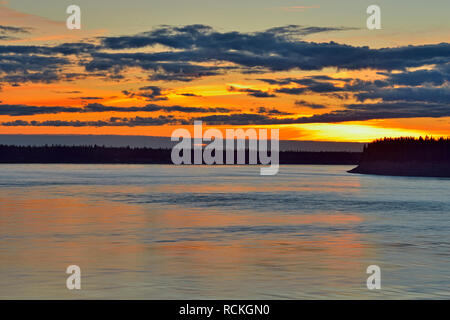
<point x="309" y="68"/>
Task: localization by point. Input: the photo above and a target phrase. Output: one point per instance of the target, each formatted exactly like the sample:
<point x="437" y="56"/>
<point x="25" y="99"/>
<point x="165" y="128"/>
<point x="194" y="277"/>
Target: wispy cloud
<point x="26" y="110"/>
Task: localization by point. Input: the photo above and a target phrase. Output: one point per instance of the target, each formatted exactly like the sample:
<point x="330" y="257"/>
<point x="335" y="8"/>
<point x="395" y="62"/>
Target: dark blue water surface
<point x="205" y="232"/>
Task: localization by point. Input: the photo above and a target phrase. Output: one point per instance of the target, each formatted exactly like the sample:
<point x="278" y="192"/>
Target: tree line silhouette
<point x="128" y="155"/>
<point x="408" y="149"/>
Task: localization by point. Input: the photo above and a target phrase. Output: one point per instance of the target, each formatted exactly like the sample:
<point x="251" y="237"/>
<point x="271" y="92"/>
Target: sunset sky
<point x="310" y="68"/>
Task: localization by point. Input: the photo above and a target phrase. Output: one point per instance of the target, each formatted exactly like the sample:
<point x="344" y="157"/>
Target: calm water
<point x="164" y="232"/>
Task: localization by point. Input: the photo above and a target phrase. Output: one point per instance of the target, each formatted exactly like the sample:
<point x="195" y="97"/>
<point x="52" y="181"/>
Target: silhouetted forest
<point x="102" y="154"/>
<point x="407" y="149"/>
<point x="406" y="156"/>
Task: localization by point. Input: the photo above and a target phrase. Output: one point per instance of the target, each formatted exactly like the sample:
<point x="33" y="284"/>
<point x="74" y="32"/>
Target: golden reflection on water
<point x="118" y="244"/>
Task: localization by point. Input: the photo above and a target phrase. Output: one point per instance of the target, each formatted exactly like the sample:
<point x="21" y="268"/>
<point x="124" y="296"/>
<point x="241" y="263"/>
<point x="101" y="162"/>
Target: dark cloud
<point x="433" y="77"/>
<point x="275" y="49"/>
<point x="3" y="37"/>
<point x="159" y="64"/>
<point x="414" y="94"/>
<point x="11" y="64"/>
<point x="316" y="84"/>
<point x="354" y="112"/>
<point x="170" y="36"/>
<point x="46" y="76"/>
<point x="76" y="48"/>
<point x="297" y="31"/>
<point x="307" y="80"/>
<point x="96" y="107"/>
<point x="304" y="103"/>
<point x="24" y="110"/>
<point x="10" y="29"/>
<point x="252" y="92"/>
<point x="293" y="91"/>
<point x="23" y="68"/>
<point x="188" y="109"/>
<point x="188" y="94"/>
<point x="340" y="96"/>
<point x="283" y="81"/>
<point x="359" y="85"/>
<point x="200" y="51"/>
<point x="273" y="111"/>
<point x="22" y="64"/>
<point x="67" y="92"/>
<point x="383" y="110"/>
<point x="6" y="31"/>
<point x="319" y="87"/>
<point x="148" y="93"/>
<point x="88" y="98"/>
<point x="111" y="122"/>
<point x="419" y="77"/>
<point x="202" y="36"/>
<point x="184" y="72"/>
<point x="235" y="119"/>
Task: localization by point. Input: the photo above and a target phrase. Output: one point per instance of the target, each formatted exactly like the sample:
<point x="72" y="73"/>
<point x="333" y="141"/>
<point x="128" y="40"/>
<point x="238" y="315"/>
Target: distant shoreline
<point x="155" y="142"/>
<point x="128" y="155"/>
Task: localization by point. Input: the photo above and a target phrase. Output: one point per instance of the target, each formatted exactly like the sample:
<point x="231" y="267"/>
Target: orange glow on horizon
<point x="342" y="132"/>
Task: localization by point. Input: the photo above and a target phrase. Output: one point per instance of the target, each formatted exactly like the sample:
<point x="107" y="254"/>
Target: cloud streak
<point x="25" y="110"/>
<point x="352" y="112"/>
